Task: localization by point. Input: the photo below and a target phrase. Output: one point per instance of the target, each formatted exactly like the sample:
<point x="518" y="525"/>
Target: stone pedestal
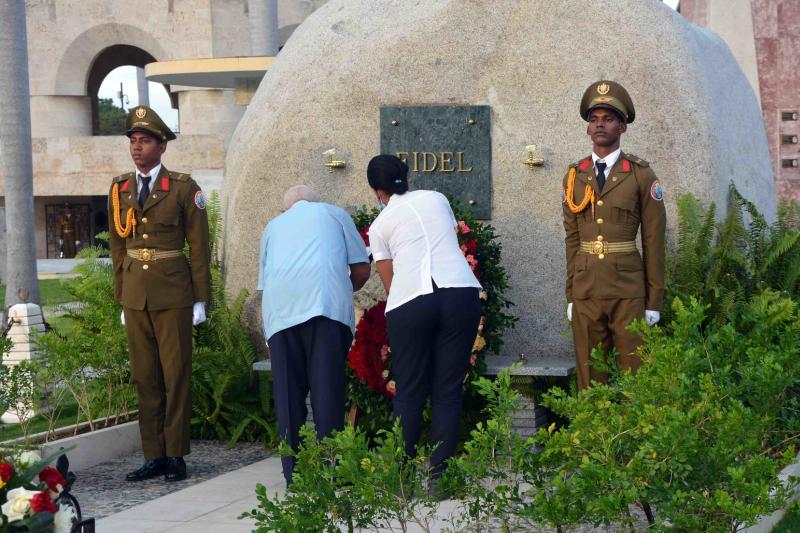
<point x="27" y="322"/>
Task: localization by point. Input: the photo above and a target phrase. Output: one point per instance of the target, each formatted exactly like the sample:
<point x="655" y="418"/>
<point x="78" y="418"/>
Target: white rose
<point x="18" y="503"/>
<point x="64" y="519"/>
<point x="29" y="457"/>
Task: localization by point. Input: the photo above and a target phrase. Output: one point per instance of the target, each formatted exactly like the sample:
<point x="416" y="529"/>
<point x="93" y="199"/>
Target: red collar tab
<point x="584" y="165"/>
<point x="164" y="184"/>
<point x="626" y="165"/>
<point x="125" y="185"/>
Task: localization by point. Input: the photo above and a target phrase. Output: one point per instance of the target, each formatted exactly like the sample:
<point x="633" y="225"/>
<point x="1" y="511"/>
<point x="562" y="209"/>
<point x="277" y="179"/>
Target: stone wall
<point x="530" y="61"/>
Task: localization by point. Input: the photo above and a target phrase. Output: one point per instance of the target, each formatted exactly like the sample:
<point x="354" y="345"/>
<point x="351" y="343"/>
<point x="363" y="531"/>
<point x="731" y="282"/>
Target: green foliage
<point x="695" y="434"/>
<point x="90" y="361"/>
<point x="343" y="482"/>
<point x="488" y="478"/>
<point x="226" y="396"/>
<point x="110" y="118"/>
<point x="724" y="264"/>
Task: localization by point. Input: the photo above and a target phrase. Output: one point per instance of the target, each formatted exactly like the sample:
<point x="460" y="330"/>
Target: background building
<point x="764" y="35"/>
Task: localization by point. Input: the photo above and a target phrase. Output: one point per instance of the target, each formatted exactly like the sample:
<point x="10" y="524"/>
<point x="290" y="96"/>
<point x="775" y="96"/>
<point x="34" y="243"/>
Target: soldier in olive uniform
<point x="154" y="212"/>
<point x="608" y="196"/>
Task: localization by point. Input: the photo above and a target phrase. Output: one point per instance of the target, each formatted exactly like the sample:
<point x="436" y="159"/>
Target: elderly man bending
<point x="312" y="259"/>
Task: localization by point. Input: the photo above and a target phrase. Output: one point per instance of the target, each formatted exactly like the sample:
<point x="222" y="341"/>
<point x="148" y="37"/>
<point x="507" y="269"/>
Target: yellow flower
<point x="385" y="374"/>
<point x="2" y="483"/>
<point x="480" y="344"/>
<point x="483" y="295"/>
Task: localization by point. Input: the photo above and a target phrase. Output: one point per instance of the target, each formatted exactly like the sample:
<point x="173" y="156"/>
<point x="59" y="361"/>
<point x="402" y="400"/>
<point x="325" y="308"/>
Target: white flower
<point x="28" y="458"/>
<point x="64" y="518"/>
<point x="18" y="503"/>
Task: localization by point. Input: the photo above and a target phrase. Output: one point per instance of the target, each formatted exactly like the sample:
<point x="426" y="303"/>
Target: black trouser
<point x="431" y="338"/>
<point x="309" y="355"/>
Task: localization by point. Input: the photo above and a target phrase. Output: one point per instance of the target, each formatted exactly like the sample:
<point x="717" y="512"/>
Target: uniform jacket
<point x="631" y="198"/>
<point x="173" y="214"/>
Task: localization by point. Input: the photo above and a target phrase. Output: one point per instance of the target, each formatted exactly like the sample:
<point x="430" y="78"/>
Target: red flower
<point x="369" y="355"/>
<point x="365" y="235"/>
<point x="41" y="502"/>
<point x="52" y="478"/>
<point x="6" y="471"/>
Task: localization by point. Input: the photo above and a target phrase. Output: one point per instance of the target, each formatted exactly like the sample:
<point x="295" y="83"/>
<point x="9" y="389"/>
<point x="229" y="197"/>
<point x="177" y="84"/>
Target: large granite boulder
<point x="697" y="119"/>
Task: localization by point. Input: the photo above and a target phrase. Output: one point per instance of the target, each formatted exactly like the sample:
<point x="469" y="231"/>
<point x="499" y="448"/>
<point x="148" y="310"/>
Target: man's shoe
<point x="150" y="468"/>
<point x="176" y="469"/>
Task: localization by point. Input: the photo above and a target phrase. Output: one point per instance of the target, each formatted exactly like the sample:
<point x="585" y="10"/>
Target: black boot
<point x="175" y="470"/>
<point x="150" y="468"/>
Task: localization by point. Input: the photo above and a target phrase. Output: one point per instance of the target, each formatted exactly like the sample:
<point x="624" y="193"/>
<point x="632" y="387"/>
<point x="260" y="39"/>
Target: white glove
<point x="569" y="311"/>
<point x="77" y="243"/>
<point x="198" y="313"/>
<point x="652" y="317"/>
<point x="122" y="318"/>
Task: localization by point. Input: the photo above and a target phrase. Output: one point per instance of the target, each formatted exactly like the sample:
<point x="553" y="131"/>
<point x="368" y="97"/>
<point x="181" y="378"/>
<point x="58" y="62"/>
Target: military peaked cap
<point x="142" y="118"/>
<point x="610" y="95"/>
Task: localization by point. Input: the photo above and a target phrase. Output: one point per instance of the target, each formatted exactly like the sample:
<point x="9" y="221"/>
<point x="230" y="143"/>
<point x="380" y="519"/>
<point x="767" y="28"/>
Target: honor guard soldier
<point x="155" y="211"/>
<point x="608" y="196"/>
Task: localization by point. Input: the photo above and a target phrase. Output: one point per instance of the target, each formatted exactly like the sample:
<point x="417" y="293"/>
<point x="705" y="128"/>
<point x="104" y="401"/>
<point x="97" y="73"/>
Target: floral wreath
<point x="371" y="385"/>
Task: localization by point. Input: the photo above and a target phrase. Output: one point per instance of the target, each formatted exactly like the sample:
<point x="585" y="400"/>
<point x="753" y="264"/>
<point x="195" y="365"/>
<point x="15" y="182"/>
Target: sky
<point x="159" y="100"/>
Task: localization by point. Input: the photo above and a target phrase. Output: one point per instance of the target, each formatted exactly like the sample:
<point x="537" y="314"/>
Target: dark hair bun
<point x="388" y="173"/>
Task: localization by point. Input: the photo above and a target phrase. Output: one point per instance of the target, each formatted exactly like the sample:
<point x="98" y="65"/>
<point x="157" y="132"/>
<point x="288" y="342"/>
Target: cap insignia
<point x="142" y="112"/>
<point x="603" y="88"/>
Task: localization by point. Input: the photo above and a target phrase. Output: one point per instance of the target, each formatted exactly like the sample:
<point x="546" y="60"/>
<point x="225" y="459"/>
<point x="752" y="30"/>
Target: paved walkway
<point x="213" y="506"/>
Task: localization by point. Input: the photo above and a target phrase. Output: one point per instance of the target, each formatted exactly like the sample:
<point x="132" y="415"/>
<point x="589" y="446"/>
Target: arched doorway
<point x="107" y="61"/>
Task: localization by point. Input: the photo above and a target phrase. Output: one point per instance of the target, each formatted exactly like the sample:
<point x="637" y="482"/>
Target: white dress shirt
<point x="416" y="231"/>
<point x="610" y="160"/>
<point x="153" y="175"/>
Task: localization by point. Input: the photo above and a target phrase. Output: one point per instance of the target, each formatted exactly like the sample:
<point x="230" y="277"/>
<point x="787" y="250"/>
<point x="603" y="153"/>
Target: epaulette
<point x="179" y="176"/>
<point x="636" y="159"/>
<point x="123" y="177"/>
<point x="581" y="164"/>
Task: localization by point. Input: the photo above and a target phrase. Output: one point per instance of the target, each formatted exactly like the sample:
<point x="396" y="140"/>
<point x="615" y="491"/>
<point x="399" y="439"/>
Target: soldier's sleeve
<point x="117" y="246"/>
<point x="196" y="225"/>
<point x="654" y="224"/>
<point x="571" y="239"/>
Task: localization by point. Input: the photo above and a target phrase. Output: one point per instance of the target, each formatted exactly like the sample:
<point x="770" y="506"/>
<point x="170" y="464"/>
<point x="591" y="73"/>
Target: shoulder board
<point x="636" y="159"/>
<point x="581" y="164"/>
<point x="123" y="177"/>
<point x="179" y="176"/>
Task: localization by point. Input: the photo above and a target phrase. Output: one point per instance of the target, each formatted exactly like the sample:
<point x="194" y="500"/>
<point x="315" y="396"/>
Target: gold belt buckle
<point x="598" y="247"/>
<point x="146" y="254"/>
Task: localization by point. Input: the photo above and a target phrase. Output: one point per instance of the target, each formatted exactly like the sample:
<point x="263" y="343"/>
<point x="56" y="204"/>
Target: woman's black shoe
<point x="150" y="468"/>
<point x="175" y="470"/>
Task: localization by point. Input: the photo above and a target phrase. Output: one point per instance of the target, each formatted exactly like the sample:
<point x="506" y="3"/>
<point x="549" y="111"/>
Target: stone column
<point x="16" y="154"/>
<point x="264" y="27"/>
<point x="142" y="88"/>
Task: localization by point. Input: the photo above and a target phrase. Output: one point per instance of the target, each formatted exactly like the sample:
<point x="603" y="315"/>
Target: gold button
<point x="156" y="196"/>
<point x="144" y="220"/>
<point x="145" y="267"/>
<point x="144" y="235"/>
<point x="599" y="220"/>
<point x="614" y="178"/>
<point x="599" y="237"/>
<point x="601" y="256"/>
<point x="589" y="178"/>
<point x="599" y="202"/>
<point x="129" y="197"/>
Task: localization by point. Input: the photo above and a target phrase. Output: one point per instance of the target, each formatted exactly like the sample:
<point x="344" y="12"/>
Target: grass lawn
<point x="51" y="291"/>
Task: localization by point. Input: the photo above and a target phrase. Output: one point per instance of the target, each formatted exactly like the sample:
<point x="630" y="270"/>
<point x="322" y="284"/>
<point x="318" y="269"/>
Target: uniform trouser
<point x="603" y="321"/>
<point x="311" y="355"/>
<point x="160" y="348"/>
<point x="431" y="338"/>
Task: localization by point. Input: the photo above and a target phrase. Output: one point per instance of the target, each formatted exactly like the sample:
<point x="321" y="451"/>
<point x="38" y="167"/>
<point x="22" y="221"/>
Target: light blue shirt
<point x="303" y="266"/>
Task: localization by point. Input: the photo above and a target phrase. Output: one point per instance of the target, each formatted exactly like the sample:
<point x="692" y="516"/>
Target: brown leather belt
<point x="151" y="254"/>
<point x="601" y="247"/>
